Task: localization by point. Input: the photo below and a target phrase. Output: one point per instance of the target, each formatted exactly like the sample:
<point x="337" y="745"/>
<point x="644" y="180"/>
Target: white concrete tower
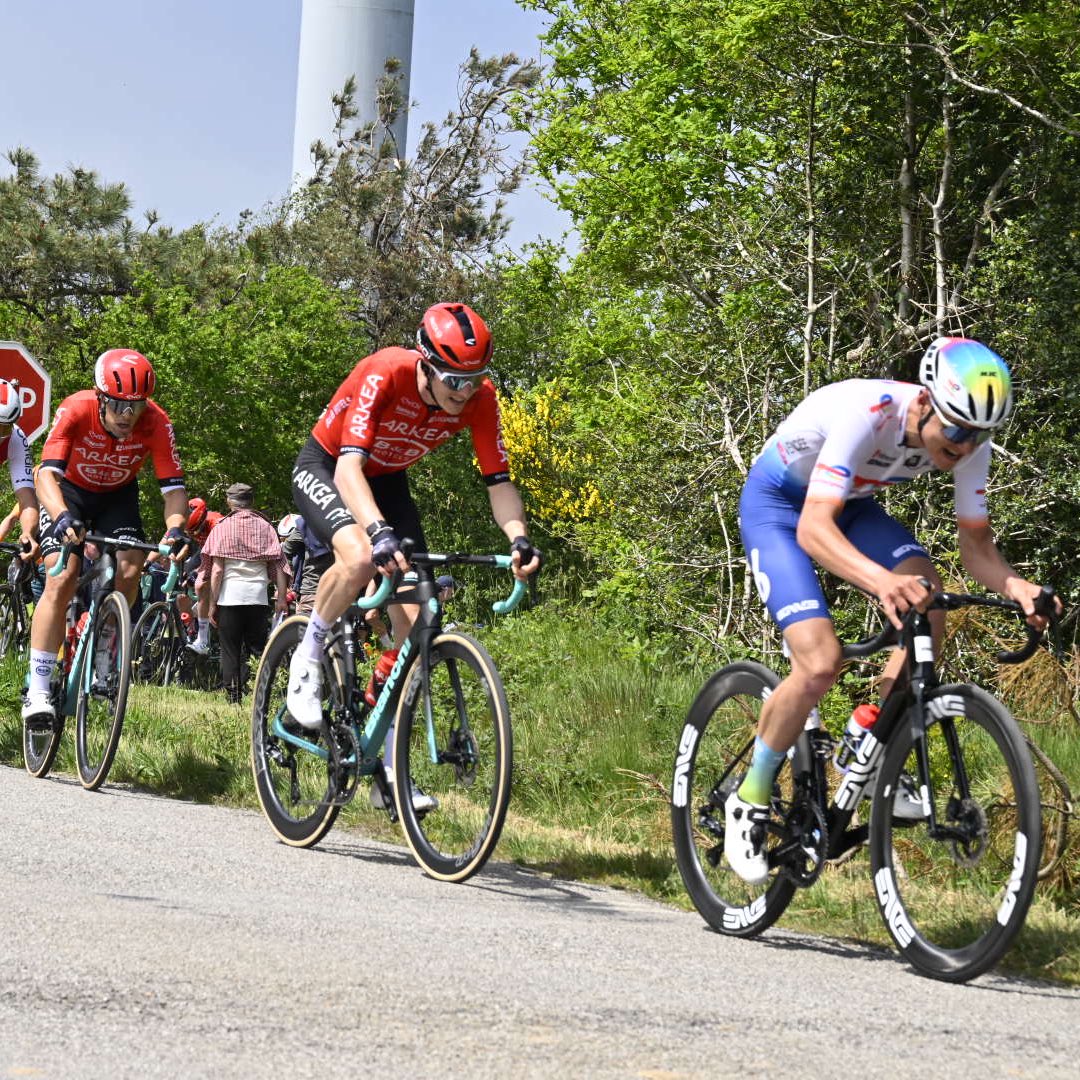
<point x="339" y="38"/>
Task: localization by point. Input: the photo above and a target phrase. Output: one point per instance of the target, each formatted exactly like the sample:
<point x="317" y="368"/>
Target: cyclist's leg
<point x="882" y="538"/>
<point x="395" y="500"/>
<point x="327" y="517"/>
<point x="50" y="613"/>
<point x="117" y="514"/>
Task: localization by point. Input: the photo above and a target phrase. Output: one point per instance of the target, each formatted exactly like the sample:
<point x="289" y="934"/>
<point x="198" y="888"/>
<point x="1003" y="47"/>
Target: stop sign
<point x="35" y="386"/>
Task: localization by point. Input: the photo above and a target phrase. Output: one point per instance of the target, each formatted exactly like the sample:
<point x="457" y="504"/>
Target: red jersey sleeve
<point x="167" y="467"/>
<point x="486" y="427"/>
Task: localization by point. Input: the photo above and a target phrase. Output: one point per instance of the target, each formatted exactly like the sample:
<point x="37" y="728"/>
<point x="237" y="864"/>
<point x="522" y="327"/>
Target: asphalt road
<point x="145" y="937"/>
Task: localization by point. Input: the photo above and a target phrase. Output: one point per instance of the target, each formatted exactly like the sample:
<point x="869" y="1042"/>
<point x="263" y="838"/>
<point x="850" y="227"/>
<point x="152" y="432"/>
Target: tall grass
<point x="596" y="720"/>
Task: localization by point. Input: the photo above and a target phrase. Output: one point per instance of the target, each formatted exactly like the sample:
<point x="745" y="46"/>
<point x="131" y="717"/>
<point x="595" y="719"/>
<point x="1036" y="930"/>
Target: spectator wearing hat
<point x="245" y="555"/>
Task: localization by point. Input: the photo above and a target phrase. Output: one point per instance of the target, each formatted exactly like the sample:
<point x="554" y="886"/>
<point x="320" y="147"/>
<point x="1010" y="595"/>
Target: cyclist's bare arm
<point x="983" y="560"/>
<point x="820" y="537"/>
<point x="509" y="513"/>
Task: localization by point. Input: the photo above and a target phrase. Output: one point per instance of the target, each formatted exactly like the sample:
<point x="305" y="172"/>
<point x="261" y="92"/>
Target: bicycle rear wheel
<point x="292" y="778"/>
<point x="99" y="709"/>
<point x="954" y="903"/>
<point x="157" y="642"/>
<point x="41" y="742"/>
<point x="463" y="758"/>
<point x="713" y="756"/>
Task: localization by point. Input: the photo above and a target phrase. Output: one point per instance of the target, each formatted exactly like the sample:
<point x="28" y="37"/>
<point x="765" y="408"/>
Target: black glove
<point x="384" y="547"/>
<point x="177" y="539"/>
<point x="66" y="521"/>
<point x="524" y="547"/>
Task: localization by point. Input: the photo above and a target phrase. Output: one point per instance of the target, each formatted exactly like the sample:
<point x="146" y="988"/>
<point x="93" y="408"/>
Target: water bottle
<point x="861" y="721"/>
<point x="379" y="675"/>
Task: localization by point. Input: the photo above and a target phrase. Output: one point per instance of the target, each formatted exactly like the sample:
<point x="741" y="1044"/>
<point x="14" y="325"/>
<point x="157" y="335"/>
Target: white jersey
<point x="17" y="451"/>
<point x="846" y="441"/>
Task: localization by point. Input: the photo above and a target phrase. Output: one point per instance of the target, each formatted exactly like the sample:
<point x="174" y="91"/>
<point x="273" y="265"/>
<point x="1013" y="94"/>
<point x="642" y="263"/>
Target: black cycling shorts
<point x="322" y="508"/>
<point x="108" y="513"/>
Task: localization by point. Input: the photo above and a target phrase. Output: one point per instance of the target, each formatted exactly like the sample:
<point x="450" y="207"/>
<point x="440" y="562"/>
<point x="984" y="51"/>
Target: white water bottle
<point x="861" y="721"/>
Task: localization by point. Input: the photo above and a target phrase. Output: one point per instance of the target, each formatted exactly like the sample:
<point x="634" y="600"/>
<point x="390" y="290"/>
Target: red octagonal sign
<point x="35" y="386"/>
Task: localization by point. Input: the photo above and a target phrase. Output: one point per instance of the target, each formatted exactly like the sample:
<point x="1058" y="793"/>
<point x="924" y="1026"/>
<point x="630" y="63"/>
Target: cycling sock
<point x="314" y="642"/>
<point x="764" y="765"/>
<point x="42" y="663"/>
<point x="204" y="632"/>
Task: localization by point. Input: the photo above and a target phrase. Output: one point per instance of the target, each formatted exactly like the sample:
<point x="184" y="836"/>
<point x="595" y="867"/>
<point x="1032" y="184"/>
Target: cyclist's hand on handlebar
<point x="30" y="548"/>
<point x="898" y="593"/>
<point x="386" y="551"/>
<point x="526" y="558"/>
<point x="68" y="529"/>
<point x="1028" y="595"/>
<point x="180" y="543"/>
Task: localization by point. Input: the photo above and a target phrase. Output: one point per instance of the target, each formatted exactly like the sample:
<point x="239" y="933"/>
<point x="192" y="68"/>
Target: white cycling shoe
<point x="304" y="698"/>
<point x="744" y="839"/>
<point x="200" y="647"/>
<point x="38" y="708"/>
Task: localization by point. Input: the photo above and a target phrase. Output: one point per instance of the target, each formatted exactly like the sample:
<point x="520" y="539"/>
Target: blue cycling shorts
<point x="785" y="576"/>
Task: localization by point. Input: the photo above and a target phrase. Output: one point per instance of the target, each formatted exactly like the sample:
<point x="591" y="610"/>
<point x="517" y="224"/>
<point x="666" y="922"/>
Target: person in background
<point x="308" y="556"/>
<point x="245" y="555"/>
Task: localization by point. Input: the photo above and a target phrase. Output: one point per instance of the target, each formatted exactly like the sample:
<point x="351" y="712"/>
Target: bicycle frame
<point x="423" y="593"/>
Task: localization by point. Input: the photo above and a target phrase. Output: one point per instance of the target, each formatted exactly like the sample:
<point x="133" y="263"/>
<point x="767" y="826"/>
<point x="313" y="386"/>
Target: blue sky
<point x="191" y="102"/>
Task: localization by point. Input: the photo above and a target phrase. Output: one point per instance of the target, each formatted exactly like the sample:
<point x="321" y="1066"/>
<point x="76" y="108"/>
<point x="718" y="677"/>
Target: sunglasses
<point x="958" y="434"/>
<point x="456" y="382"/>
<point x="122" y="407"/>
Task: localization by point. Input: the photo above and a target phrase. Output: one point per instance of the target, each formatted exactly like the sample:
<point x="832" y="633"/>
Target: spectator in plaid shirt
<point x="245" y="554"/>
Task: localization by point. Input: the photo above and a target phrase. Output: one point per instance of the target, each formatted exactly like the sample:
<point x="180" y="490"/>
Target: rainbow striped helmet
<point x="969" y="383"/>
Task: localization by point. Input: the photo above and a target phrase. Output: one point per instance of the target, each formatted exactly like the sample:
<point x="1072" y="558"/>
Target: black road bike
<point x="451" y="730"/>
<point x="14" y="597"/>
<point x="953" y="887"/>
<point x="91" y="682"/>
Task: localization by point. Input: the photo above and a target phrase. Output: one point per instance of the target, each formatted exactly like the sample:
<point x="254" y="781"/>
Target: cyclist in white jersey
<point x="16" y="449"/>
<point x="809" y="499"/>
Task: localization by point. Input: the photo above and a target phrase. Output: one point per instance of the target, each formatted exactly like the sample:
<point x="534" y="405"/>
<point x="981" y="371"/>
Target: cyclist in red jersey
<point x="350" y="484"/>
<point x="99" y="440"/>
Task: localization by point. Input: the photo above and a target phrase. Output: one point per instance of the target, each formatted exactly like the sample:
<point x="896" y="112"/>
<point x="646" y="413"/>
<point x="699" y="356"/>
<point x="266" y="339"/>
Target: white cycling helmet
<point x="10" y="402"/>
<point x="286" y="525"/>
<point x="969" y="383"/>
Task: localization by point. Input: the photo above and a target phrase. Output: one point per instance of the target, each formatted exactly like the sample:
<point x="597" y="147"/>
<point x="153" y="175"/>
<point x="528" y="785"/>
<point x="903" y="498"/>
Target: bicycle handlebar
<point x="1044" y="605"/>
<point x="427" y="558"/>
<point x="120" y="544"/>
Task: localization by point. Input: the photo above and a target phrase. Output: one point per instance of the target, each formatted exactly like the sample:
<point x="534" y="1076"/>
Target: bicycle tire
<point x="474" y="746"/>
<point x="293" y="785"/>
<point x="9" y="619"/>
<point x="711" y="759"/>
<point x="99" y="709"/>
<point x="156" y="643"/>
<point x="41" y="745"/>
<point x="953" y="908"/>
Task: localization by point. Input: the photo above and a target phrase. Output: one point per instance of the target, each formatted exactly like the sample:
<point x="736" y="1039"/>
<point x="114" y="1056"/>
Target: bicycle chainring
<point x="802" y="854"/>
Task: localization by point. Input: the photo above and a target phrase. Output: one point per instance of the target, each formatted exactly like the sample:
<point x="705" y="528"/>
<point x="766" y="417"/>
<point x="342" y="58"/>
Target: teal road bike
<point x="91" y="682"/>
<point x="442" y="714"/>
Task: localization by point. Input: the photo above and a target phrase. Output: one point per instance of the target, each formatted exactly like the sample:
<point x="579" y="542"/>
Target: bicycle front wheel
<point x="452" y="740"/>
<point x="157" y="642"/>
<point x="99" y="710"/>
<point x="954" y="897"/>
<point x="712" y="758"/>
<point x="291" y="765"/>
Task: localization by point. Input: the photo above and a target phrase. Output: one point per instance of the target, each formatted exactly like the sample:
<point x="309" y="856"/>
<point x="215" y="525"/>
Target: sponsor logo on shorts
<point x="795" y="608"/>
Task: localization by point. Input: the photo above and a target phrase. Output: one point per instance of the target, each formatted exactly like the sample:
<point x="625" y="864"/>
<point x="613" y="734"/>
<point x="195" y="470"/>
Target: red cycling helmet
<point x="214" y="517"/>
<point x="124" y="374"/>
<point x="454" y="337"/>
<point x="196" y="514"/>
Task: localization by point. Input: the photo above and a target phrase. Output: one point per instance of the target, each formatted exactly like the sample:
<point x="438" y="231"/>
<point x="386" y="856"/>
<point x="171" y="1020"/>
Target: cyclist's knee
<point x="815" y="655"/>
